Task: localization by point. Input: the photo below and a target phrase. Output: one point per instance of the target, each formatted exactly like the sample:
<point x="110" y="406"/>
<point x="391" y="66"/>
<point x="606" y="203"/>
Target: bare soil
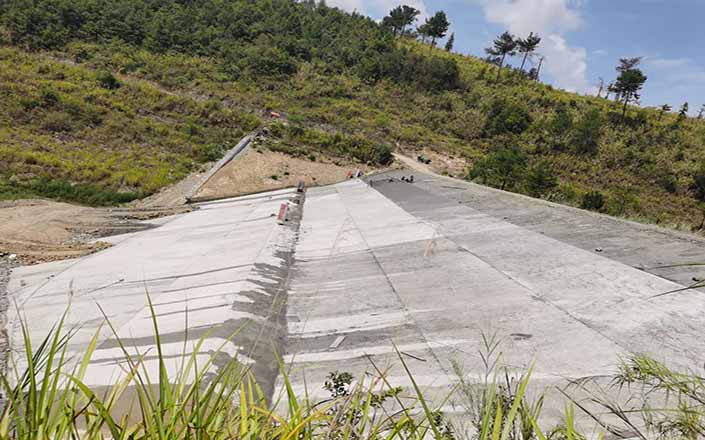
<point x="442" y="164"/>
<point x="257" y="170"/>
<point x="38" y="231"/>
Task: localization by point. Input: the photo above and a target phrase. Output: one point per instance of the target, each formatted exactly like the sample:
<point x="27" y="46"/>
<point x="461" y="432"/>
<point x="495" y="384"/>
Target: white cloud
<point x="551" y="19"/>
<point x="599" y="52"/>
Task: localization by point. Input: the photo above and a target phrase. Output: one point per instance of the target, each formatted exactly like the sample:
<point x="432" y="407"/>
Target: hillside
<point x="193" y="77"/>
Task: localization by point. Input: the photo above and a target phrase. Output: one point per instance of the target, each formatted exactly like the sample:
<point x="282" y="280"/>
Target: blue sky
<point x="583" y="39"/>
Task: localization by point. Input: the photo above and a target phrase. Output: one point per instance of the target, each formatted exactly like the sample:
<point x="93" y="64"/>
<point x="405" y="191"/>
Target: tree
<point x="702" y="110"/>
<point x="628" y="64"/>
<point x="629" y="82"/>
<point x="437" y="26"/>
<point x="502" y="46"/>
<point x="399" y="18"/>
<point x="503" y="168"/>
<point x="424" y="32"/>
<point x="450" y="42"/>
<point x="527" y="46"/>
<point x="409" y="15"/>
<point x="683" y="112"/>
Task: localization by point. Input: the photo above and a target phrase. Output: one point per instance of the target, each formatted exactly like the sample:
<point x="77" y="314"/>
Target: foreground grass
<point x="47" y="399"/>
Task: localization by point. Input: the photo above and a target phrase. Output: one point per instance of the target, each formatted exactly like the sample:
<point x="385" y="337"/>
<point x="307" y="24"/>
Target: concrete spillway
<point x="428" y="267"/>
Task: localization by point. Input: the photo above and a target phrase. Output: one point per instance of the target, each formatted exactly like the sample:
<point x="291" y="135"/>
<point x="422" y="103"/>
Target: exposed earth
<point x="37" y="231"/>
<point x="258" y="169"/>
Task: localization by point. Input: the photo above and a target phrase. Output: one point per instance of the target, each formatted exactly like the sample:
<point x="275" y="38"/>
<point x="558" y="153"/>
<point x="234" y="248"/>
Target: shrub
<point x="49" y="97"/>
<point x="503" y="169"/>
<point x="265" y="60"/>
<point x="506" y="117"/>
<point x="540" y="179"/>
<point x="698" y="185"/>
<point x="56" y="121"/>
<point x="668" y="182"/>
<point x="593" y="200"/>
<point x="107" y="80"/>
<point x="211" y="152"/>
<point x="87" y="194"/>
<point x="587" y="133"/>
<point x="622" y="201"/>
<point x="560" y="127"/>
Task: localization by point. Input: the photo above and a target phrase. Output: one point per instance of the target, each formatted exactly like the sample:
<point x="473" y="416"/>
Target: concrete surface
<point x="226" y="159"/>
<point x="406" y="264"/>
<point x="222" y="267"/>
<point x="427" y="267"/>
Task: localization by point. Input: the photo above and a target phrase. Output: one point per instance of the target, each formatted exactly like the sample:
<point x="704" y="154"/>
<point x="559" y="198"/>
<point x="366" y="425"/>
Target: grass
<point x="644" y="167"/>
<point x="168" y="113"/>
<point x="48" y="399"/>
<point x="68" y="132"/>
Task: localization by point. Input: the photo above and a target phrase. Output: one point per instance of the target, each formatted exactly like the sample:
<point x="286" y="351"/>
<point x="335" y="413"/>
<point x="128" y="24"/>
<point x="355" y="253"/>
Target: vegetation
<point x="218" y="398"/>
<point x="188" y="78"/>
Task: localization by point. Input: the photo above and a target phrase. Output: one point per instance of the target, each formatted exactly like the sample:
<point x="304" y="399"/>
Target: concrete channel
<point x="428" y="268"/>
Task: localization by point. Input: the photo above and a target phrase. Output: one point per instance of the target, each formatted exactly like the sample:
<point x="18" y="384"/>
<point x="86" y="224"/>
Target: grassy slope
<point x="630" y="168"/>
<point x="57" y="122"/>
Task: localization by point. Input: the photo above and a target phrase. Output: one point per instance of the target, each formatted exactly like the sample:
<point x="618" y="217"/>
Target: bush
<point x="503" y="169"/>
<point x="211" y="152"/>
<point x="540" y="180"/>
<point x="82" y="193"/>
<point x="698" y="185"/>
<point x="587" y="133"/>
<point x="506" y="117"/>
<point x="107" y="80"/>
<point x="593" y="200"/>
<point x="668" y="183"/>
<point x="56" y="121"/>
<point x="622" y="201"/>
<point x="267" y="61"/>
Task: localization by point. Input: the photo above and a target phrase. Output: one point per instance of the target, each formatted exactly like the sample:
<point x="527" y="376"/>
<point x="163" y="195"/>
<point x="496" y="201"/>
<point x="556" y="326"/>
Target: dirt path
<point x="413" y="164"/>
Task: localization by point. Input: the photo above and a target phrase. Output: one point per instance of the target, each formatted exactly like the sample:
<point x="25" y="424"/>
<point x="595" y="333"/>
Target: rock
<point x="598" y="249"/>
<point x="12" y="257"/>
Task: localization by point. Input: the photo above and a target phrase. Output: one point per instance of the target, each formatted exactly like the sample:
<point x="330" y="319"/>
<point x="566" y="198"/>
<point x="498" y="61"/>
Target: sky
<point x="584" y="39"/>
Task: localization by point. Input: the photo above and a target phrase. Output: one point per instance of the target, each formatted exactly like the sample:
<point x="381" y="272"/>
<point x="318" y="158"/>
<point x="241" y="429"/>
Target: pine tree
<point x="399" y="18"/>
<point x="683" y="112"/>
<point x="450" y="42"/>
<point x="437" y="26"/>
<point x="527" y="46"/>
<point x="502" y="46"/>
<point x="629" y="82"/>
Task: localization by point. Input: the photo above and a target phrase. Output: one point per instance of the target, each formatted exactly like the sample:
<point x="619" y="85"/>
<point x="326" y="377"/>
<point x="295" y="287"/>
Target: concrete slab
<point x="375" y="272"/>
<point x="400" y="264"/>
<point x="220" y="269"/>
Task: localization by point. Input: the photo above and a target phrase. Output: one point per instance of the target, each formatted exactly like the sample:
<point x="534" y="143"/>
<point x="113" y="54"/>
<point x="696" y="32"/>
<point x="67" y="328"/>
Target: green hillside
<point x="194" y="76"/>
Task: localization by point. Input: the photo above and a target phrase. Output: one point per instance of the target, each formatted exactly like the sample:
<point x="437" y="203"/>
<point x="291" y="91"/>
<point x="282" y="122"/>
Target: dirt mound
<point x="37" y="231"/>
<point x="258" y="170"/>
